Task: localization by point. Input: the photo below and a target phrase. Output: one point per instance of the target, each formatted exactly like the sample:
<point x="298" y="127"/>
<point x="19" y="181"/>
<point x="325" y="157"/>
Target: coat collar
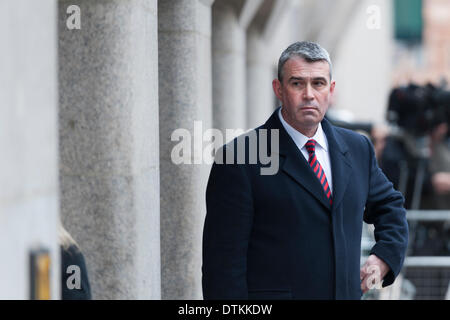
<point x="299" y="138"/>
<point x="296" y="166"/>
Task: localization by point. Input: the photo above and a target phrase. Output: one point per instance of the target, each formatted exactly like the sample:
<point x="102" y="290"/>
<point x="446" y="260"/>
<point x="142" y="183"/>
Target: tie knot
<point x="311" y="146"/>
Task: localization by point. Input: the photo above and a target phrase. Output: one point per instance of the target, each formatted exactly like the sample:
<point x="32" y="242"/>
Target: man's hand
<point x="372" y="272"/>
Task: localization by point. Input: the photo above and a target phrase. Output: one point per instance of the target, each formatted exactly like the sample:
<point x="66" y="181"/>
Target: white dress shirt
<point x="321" y="147"/>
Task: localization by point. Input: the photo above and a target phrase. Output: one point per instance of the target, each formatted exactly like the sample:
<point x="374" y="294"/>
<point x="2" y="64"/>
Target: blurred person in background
<point x="72" y="265"/>
<point x="379" y="134"/>
<point x="440" y="165"/>
<point x="433" y="238"/>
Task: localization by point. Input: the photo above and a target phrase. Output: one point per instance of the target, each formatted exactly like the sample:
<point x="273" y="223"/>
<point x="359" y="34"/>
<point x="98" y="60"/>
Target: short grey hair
<point x="310" y="51"/>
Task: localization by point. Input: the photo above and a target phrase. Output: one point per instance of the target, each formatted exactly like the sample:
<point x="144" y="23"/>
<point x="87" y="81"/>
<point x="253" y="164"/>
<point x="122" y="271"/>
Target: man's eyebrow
<point x="303" y="78"/>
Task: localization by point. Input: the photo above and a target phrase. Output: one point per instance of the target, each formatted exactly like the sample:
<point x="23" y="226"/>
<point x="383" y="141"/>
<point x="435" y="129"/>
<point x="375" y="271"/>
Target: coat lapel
<point x="296" y="166"/>
<point x="341" y="168"/>
<point x="299" y="170"/>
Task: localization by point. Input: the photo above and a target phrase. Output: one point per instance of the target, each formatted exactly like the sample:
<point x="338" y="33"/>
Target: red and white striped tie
<point x="317" y="168"/>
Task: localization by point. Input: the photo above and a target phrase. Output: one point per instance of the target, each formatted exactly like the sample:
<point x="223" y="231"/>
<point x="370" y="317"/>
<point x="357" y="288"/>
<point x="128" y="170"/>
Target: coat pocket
<point x="269" y="295"/>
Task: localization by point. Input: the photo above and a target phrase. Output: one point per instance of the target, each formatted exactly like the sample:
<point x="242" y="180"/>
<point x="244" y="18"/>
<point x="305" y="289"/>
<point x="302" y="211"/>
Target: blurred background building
<point x="91" y="92"/>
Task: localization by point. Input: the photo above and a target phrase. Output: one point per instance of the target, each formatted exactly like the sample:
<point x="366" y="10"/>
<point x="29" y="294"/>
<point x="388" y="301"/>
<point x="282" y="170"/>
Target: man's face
<point x="305" y="92"/>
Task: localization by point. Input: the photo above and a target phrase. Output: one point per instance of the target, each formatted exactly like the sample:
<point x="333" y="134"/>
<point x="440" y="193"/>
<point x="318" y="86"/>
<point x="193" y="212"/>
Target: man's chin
<point x="305" y="124"/>
<point x="309" y="120"/>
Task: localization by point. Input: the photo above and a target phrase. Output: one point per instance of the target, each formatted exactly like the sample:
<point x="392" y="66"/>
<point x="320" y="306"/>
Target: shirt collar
<point x="300" y="139"/>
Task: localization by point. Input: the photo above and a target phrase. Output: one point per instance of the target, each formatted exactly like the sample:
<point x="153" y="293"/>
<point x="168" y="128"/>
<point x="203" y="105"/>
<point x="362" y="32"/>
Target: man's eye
<point x="318" y="83"/>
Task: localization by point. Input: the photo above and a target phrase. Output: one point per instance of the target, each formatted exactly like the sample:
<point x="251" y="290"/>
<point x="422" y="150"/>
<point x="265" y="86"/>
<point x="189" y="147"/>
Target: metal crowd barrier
<point x="422" y="277"/>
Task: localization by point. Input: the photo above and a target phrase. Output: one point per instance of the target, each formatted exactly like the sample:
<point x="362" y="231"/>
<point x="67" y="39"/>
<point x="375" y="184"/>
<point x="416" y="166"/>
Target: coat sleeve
<point x="226" y="233"/>
<point x="385" y="210"/>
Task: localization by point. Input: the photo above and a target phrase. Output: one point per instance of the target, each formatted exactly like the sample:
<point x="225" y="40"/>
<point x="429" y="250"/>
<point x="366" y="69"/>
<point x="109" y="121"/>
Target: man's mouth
<point x="309" y="107"/>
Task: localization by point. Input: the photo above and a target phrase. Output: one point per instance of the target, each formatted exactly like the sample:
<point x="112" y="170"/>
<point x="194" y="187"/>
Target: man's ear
<point x="276" y="85"/>
<point x="332" y="85"/>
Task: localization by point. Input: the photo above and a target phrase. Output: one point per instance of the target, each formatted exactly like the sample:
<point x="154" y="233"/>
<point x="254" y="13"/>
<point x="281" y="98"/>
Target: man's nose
<point x="307" y="93"/>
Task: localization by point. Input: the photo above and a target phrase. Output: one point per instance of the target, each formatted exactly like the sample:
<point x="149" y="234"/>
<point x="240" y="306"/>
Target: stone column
<point x="109" y="150"/>
<point x="260" y="73"/>
<point x="228" y="46"/>
<point x="185" y="96"/>
<point x="275" y="26"/>
<point x="28" y="143"/>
